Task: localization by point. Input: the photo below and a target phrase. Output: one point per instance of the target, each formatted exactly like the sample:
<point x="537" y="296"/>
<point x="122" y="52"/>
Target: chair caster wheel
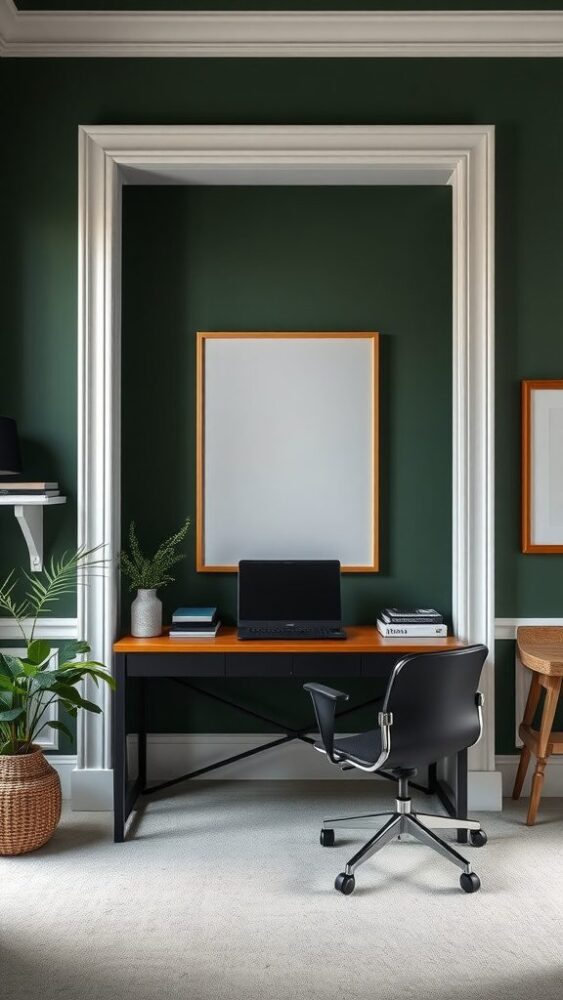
<point x="327" y="838"/>
<point x="345" y="883"/>
<point x="469" y="882"/>
<point x="478" y="838"/>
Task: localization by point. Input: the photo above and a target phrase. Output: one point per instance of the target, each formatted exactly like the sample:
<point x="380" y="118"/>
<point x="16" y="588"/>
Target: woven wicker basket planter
<point x="30" y="802"/>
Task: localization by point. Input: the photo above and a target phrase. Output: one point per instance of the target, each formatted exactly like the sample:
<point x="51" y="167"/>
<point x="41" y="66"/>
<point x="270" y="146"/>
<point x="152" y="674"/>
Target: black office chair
<point x="431" y="709"/>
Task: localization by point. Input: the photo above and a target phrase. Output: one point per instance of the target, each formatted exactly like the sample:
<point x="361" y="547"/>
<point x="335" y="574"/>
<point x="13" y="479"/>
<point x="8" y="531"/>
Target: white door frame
<point x="459" y="156"/>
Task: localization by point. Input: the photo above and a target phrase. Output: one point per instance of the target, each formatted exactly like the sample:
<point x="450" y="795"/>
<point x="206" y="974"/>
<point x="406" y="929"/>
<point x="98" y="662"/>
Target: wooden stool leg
<point x="529" y="712"/>
<point x="552" y="689"/>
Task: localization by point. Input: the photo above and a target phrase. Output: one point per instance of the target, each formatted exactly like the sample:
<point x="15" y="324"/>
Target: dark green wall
<point x="44" y="101"/>
<point x="238" y="258"/>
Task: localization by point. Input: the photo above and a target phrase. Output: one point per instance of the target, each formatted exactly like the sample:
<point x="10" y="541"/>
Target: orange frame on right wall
<point x="528" y="387"/>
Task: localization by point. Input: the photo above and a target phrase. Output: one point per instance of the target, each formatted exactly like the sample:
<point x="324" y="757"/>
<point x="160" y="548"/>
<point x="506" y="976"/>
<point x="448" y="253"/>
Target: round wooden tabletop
<point x="541" y="648"/>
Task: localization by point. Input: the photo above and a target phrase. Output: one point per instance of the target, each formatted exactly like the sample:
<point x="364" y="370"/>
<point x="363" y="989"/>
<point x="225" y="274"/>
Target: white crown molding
<point x="245" y="34"/>
<point x="47" y="628"/>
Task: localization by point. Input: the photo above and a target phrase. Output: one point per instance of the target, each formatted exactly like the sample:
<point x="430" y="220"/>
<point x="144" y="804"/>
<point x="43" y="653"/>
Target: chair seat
<point x="365" y="749"/>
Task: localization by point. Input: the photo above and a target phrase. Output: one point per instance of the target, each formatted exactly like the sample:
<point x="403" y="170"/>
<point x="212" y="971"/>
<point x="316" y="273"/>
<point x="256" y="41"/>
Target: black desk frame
<point x="142" y="666"/>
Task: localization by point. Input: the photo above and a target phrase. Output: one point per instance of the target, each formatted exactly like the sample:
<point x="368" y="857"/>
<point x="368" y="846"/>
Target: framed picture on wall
<point x="542" y="465"/>
<point x="287" y="448"/>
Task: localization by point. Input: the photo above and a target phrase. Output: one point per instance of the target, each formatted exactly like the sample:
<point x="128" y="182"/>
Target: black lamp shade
<point x="10" y="461"/>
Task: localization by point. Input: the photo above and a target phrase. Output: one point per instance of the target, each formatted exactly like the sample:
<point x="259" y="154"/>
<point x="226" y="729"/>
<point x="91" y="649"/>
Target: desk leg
<point x="119" y="749"/>
<point x="432" y="778"/>
<point x="142" y="753"/>
<point x="461" y="792"/>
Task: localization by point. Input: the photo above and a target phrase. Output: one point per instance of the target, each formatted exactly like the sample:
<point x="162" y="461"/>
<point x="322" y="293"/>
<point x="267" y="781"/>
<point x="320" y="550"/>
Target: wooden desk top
<point x="361" y="639"/>
<point x="541" y="648"/>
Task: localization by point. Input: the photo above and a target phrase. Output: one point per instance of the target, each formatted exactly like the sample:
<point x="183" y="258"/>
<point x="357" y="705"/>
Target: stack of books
<point x="194" y="623"/>
<point x="18" y="490"/>
<point x="415" y="623"/>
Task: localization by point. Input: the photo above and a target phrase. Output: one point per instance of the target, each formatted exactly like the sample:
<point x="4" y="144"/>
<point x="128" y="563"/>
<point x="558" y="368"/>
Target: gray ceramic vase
<point x="146" y="614"/>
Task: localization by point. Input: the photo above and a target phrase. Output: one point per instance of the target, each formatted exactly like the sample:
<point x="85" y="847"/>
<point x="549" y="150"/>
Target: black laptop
<point x="289" y="599"/>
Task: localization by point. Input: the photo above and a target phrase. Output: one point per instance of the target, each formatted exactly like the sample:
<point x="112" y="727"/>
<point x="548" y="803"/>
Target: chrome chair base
<point x="404" y="820"/>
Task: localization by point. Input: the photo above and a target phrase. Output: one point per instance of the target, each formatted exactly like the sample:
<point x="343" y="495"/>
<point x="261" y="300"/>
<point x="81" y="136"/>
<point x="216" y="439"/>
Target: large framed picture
<point x="542" y="465"/>
<point x="287" y="448"/>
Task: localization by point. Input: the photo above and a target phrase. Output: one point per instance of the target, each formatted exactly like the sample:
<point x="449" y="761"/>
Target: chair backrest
<point x="433" y="700"/>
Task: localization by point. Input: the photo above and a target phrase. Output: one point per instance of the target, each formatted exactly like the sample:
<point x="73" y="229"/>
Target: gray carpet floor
<point x="225" y="892"/>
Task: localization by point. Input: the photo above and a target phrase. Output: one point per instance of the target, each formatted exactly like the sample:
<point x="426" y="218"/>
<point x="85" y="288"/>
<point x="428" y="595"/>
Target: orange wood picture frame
<point x="201" y="338"/>
<point x="528" y="387"/>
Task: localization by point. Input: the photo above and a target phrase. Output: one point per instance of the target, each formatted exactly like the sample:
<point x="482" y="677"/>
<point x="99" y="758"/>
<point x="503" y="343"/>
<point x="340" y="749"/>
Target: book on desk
<point x="194" y="623"/>
<point x="415" y="623"/>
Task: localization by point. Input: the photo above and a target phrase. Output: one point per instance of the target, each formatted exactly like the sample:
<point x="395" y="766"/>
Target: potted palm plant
<point x="30" y="791"/>
<point x="146" y="574"/>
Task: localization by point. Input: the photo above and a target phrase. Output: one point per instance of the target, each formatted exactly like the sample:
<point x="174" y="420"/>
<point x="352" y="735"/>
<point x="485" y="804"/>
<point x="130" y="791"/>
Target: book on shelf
<point x="198" y="615"/>
<point x="423" y="631"/>
<point x="16" y="495"/>
<point x="189" y="627"/>
<point x="19" y="486"/>
<point x="200" y="632"/>
<point x="411" y="616"/>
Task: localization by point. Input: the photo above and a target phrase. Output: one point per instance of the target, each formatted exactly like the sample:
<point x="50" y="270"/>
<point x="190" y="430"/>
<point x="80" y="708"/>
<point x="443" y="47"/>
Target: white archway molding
<point x="459" y="156"/>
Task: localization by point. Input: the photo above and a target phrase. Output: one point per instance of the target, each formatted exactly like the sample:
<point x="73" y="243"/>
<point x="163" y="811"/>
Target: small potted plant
<point x="146" y="574"/>
<point x="30" y="790"/>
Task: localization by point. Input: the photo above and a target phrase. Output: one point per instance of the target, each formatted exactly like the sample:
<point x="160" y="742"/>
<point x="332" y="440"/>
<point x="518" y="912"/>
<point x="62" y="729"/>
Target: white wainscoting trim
<point x="169" y="754"/>
<point x="262" y="34"/>
<point x="65" y="765"/>
<point x="505" y="628"/>
<point x="47" y="628"/>
<point x="553" y="782"/>
<point x="459" y="156"/>
<point x="91" y="789"/>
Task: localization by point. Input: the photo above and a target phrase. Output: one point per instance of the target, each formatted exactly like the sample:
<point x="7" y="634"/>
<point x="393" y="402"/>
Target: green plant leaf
<point x="38" y="651"/>
<point x="11" y="714"/>
<point x="30" y="669"/>
<point x="68" y="651"/>
<point x="13" y="664"/>
<point x="6" y="684"/>
<point x="43" y="680"/>
<point x="60" y="726"/>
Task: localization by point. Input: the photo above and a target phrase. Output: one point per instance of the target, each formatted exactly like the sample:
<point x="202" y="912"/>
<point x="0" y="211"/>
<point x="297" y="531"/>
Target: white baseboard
<point x="92" y="789"/>
<point x="174" y="753"/>
<point x="507" y="764"/>
<point x="65" y="765"/>
<point x="484" y="791"/>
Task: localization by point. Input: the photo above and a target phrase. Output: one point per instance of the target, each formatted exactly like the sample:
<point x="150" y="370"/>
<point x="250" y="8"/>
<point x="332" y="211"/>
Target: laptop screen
<point x="289" y="590"/>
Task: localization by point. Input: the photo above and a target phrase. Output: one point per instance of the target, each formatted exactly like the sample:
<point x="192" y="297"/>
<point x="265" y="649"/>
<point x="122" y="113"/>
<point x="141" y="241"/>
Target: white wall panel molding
<point x="507" y="764"/>
<point x="279" y="33"/>
<point x="54" y="629"/>
<point x="169" y="754"/>
<point x="505" y="628"/>
<point x="461" y="157"/>
<point x="65" y="765"/>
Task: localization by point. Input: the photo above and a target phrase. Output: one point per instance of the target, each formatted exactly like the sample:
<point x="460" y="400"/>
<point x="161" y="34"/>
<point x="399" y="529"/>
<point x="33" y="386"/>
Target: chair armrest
<point x="324" y="703"/>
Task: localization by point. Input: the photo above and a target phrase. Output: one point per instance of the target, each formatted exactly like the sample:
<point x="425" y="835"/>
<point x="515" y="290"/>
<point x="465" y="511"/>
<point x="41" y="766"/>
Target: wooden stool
<point x="541" y="650"/>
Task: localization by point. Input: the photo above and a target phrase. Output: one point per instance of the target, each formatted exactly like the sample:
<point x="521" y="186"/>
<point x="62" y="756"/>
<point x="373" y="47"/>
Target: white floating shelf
<point x="29" y="514"/>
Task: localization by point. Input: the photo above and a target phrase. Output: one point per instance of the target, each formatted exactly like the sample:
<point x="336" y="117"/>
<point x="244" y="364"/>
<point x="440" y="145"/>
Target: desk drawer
<point x="378" y="664"/>
<point x="309" y="665"/>
<point x="258" y="665"/>
<point x="176" y="665"/>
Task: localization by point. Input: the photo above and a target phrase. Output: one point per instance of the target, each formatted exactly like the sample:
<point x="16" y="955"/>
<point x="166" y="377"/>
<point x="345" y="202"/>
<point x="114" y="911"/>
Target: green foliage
<point x="150" y="572"/>
<point x="30" y="684"/>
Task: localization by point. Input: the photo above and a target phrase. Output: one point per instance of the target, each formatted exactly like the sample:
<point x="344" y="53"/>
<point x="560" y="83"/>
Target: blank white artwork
<point x="547" y="466"/>
<point x="289" y="440"/>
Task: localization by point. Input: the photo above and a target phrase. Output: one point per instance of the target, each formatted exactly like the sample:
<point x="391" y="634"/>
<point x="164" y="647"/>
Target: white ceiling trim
<point x="279" y="33"/>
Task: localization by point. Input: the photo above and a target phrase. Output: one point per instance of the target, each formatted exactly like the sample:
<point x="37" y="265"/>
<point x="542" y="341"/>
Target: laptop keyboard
<point x="282" y="632"/>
